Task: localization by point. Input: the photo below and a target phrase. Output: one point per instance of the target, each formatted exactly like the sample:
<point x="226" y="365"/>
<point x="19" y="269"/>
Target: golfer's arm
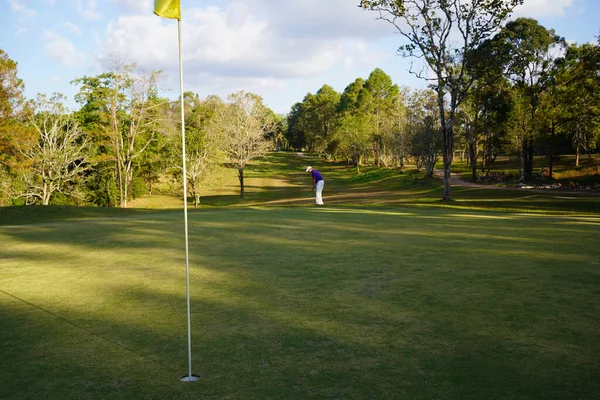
<point x="314" y="182"/>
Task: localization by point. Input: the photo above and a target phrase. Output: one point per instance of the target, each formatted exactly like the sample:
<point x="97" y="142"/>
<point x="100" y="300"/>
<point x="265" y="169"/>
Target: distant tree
<point x="354" y="127"/>
<point x="425" y="130"/>
<point x="377" y="98"/>
<point x="353" y="137"/>
<point x="201" y="147"/>
<point x="241" y="128"/>
<point x="295" y="133"/>
<point x="59" y="155"/>
<point x="318" y="118"/>
<point x="444" y="33"/>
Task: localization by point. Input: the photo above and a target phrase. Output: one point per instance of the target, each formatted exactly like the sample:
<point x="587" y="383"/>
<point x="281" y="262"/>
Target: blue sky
<point x="280" y="49"/>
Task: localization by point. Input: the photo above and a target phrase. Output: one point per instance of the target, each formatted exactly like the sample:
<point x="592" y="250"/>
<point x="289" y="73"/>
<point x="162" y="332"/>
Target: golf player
<point x="318" y="183"/>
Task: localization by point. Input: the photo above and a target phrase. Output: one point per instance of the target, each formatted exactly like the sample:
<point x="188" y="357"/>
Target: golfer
<point x="318" y="183"/>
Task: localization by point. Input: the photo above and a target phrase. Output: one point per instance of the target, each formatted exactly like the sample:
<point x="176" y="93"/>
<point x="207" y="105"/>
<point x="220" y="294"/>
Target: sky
<point x="279" y="49"/>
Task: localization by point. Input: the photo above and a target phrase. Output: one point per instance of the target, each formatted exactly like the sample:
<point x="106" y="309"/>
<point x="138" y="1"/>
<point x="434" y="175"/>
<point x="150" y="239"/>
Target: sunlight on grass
<point x="482" y="216"/>
<point x="363" y="211"/>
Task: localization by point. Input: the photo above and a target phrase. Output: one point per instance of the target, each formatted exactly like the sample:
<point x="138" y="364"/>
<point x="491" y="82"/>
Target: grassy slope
<point x="279" y="179"/>
<point x="352" y="303"/>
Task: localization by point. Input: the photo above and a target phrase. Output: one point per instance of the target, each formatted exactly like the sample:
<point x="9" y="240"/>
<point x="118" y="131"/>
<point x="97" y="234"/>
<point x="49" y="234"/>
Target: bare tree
<point x="242" y="129"/>
<point x="59" y="154"/>
<point x="444" y="33"/>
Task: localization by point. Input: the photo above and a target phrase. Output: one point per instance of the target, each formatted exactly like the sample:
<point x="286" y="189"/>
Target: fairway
<point x="303" y="303"/>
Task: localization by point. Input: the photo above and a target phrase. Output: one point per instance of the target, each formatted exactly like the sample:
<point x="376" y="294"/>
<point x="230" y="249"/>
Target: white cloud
<point x="62" y="49"/>
<point x="20" y="8"/>
<point x="134" y="6"/>
<point x="25" y="15"/>
<point x="88" y="9"/>
<point x="72" y="28"/>
<point x="542" y="8"/>
<point x="250" y="43"/>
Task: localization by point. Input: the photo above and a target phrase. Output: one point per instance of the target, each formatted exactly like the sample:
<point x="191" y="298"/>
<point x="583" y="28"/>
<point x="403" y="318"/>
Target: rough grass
<point x="310" y="303"/>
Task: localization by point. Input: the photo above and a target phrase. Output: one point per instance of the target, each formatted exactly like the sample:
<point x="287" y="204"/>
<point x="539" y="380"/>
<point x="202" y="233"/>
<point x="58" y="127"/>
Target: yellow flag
<point x="167" y="8"/>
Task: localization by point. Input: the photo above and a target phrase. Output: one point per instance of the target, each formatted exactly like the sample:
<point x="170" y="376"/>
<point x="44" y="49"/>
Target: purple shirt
<point x="316" y="175"/>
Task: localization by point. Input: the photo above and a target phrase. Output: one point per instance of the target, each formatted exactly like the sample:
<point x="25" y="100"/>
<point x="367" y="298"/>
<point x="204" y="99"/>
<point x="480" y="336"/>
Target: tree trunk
<point x="45" y="194"/>
<point x="241" y="178"/>
<point x="473" y="151"/>
<point x="447" y="140"/>
<point x="529" y="172"/>
<point x="577" y="156"/>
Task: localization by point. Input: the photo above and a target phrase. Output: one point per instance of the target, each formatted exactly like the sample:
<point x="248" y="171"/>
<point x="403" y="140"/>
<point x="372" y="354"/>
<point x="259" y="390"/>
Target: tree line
<point x="530" y="93"/>
<point x="123" y="139"/>
<point x="519" y="89"/>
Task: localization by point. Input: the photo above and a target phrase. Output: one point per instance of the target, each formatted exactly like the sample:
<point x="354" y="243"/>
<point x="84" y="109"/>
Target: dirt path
<point x="456" y="180"/>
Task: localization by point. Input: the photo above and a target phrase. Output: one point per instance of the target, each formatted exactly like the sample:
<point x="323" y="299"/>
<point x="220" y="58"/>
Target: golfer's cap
<point x="308" y="168"/>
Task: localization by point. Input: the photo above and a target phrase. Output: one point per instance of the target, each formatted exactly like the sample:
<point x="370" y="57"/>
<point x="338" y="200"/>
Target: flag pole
<point x="189" y="377"/>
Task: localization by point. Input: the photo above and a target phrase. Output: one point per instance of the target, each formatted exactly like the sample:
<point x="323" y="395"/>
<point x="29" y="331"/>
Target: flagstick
<point x="189" y="377"/>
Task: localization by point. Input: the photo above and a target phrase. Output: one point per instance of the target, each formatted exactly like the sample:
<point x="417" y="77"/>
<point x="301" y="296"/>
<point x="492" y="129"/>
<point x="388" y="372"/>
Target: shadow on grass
<point x="297" y="303"/>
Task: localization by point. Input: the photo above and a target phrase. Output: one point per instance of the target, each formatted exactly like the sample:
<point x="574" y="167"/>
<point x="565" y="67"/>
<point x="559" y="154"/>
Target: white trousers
<point x="319" y="190"/>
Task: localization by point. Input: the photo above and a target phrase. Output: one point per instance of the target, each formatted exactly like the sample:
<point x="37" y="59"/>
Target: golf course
<point x="384" y="292"/>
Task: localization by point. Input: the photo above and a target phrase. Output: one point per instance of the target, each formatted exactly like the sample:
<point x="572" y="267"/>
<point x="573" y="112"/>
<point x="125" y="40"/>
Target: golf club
<point x="309" y="193"/>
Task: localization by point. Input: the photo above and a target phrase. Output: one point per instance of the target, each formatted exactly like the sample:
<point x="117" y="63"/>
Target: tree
<point x="444" y="33"/>
<point x="353" y="137"/>
<point x="353" y="130"/>
<point x="14" y="111"/>
<point x="526" y="50"/>
<point x="59" y="154"/>
<point x="424" y="127"/>
<point x="201" y="147"/>
<point x="124" y="106"/>
<point x="579" y="95"/>
<point x="318" y="117"/>
<point x="241" y="127"/>
<point x="377" y="98"/>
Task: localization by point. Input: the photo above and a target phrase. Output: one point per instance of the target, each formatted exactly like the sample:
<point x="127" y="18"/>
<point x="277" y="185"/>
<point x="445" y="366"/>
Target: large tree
<point x="241" y="128"/>
<point x="443" y="33"/>
<point x="201" y="147"/>
<point x="527" y="51"/>
<point x="59" y="154"/>
<point x="378" y="99"/>
<point x="124" y="106"/>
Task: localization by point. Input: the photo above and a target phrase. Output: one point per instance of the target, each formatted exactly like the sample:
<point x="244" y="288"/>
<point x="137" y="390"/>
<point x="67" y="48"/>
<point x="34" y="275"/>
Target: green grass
<point x="340" y="302"/>
<point x="279" y="180"/>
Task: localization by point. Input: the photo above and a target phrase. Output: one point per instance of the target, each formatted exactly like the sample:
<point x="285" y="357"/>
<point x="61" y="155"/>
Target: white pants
<point x="319" y="190"/>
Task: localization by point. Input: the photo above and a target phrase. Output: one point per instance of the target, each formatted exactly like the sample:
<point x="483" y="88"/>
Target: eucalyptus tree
<point x="202" y="154"/>
<point x="527" y="51"/>
<point x="580" y="96"/>
<point x="58" y="155"/>
<point x="123" y="105"/>
<point x="241" y="129"/>
<point x="443" y="33"/>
